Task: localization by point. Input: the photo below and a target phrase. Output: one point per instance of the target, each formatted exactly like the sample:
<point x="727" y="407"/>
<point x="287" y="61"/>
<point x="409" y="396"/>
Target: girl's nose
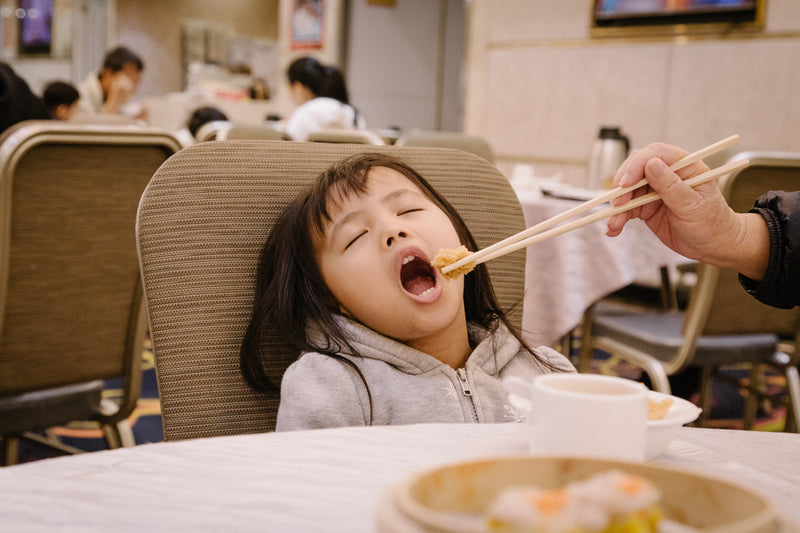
<point x="393" y="235"/>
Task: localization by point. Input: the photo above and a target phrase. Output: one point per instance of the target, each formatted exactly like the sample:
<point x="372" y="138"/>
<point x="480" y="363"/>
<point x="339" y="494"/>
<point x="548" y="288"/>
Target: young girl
<point x="345" y="278"/>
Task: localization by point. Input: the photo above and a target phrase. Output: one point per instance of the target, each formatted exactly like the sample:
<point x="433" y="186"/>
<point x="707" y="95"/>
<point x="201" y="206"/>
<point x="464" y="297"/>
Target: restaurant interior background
<point x="529" y="76"/>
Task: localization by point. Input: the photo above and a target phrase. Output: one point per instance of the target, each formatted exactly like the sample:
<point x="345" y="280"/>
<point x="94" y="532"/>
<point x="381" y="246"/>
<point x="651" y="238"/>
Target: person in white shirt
<point x="321" y="95"/>
<point x="111" y="89"/>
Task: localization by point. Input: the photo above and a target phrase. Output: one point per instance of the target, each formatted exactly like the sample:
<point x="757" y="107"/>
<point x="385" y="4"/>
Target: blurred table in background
<point x="171" y="111"/>
<point x="566" y="274"/>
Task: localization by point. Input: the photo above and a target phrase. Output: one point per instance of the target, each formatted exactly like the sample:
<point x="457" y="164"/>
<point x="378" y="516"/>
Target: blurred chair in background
<point x="722" y="325"/>
<point x="255" y="131"/>
<point x="70" y="293"/>
<point x="448" y="139"/>
<point x="199" y="258"/>
<point x="346" y="137"/>
<point x="216" y="130"/>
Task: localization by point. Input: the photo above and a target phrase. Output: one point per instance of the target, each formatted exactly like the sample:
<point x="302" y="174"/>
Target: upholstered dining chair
<point x="202" y="224"/>
<point x="254" y="131"/>
<point x="448" y="139"/>
<point x="216" y="130"/>
<point x="346" y="136"/>
<point x="71" y="312"/>
<point x="722" y="325"/>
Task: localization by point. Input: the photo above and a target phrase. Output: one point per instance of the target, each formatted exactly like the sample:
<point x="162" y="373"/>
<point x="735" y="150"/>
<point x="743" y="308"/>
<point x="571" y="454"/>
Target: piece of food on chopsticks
<point x="608" y="502"/>
<point x="448" y="256"/>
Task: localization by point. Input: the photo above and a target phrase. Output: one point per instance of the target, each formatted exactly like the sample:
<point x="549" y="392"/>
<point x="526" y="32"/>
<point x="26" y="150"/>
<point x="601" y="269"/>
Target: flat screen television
<point x="677" y="16"/>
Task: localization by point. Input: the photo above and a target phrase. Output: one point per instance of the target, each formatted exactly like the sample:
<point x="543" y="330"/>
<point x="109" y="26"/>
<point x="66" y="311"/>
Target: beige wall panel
<point x="514" y="20"/>
<point x="783" y="16"/>
<point x="153" y="30"/>
<point x="744" y="87"/>
<point x="549" y="103"/>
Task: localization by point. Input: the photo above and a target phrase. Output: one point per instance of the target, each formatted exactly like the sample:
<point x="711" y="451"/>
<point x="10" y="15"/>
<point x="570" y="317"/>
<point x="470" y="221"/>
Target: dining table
<point x="322" y="480"/>
<point x="566" y="274"/>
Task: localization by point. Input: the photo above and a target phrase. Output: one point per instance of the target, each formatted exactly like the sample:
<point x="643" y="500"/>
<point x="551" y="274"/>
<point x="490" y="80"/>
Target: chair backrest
<point x="215" y="130"/>
<point x="448" y="139"/>
<point x="346" y="136"/>
<point x="718" y="304"/>
<point x="202" y="224"/>
<point x="255" y="131"/>
<point x="70" y="293"/>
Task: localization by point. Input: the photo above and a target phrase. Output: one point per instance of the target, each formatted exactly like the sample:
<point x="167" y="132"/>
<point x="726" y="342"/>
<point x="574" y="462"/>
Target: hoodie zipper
<point x="462" y="379"/>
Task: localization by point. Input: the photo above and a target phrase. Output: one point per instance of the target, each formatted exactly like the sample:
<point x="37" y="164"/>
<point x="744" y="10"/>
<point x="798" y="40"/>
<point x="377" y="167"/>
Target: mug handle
<point x="519" y="393"/>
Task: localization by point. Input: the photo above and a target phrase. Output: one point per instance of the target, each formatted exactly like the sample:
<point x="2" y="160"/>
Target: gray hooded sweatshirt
<point x="407" y="386"/>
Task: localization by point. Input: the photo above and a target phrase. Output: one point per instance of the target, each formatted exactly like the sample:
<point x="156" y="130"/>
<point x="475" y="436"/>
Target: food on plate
<point x="448" y="257"/>
<point x="657" y="409"/>
<point x="608" y="502"/>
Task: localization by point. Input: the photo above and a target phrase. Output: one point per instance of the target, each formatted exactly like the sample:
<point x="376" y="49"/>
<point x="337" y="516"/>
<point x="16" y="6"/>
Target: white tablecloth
<point x="566" y="274"/>
<point x="325" y="480"/>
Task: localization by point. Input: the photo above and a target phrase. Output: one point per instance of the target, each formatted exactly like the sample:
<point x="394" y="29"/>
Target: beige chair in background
<point x="722" y="325"/>
<point x="71" y="312"/>
<point x="254" y="131"/>
<point x="347" y="137"/>
<point x="199" y="258"/>
<point x="448" y="139"/>
<point x="216" y="130"/>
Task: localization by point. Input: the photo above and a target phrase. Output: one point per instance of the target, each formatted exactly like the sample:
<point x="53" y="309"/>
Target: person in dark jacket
<point x="17" y="101"/>
<point x="763" y="245"/>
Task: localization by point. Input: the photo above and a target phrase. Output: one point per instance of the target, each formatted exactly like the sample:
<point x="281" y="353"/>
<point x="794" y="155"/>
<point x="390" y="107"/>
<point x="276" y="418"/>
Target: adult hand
<point x="696" y="223"/>
<point x="121" y="89"/>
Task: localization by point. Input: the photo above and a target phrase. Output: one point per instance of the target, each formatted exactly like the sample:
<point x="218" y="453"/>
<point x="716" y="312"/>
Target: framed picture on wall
<point x="307" y="28"/>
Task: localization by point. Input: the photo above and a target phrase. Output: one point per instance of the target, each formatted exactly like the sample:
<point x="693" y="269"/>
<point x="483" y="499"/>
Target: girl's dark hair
<point x="290" y="292"/>
<point x="309" y="72"/>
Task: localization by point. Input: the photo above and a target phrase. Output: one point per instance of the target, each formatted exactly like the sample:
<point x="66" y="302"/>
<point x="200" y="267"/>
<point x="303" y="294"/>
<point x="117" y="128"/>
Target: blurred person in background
<point x="199" y="117"/>
<point x="320" y="93"/>
<point x="111" y="89"/>
<point x="61" y="99"/>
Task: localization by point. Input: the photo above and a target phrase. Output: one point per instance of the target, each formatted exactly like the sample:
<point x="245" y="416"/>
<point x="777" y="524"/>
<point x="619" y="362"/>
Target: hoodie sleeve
<point x="318" y="391"/>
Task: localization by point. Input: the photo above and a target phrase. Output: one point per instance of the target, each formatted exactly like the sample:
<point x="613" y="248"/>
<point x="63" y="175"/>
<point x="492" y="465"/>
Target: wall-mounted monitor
<point x="643" y="17"/>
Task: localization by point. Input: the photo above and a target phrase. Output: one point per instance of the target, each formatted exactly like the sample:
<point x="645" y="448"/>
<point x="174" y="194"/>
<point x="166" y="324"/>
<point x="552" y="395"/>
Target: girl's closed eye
<point x="408" y="211"/>
<point x="355" y="239"/>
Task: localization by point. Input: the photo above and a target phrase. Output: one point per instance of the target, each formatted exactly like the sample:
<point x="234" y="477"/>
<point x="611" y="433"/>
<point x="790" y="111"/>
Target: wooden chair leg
<point x="753" y="396"/>
<point x="10" y="449"/>
<point x="793" y="390"/>
<point x="119" y="435"/>
<point x="706" y="394"/>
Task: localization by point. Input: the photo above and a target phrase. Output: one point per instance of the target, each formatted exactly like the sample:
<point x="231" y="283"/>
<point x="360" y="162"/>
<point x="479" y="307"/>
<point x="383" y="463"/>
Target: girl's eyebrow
<point x="340" y="223"/>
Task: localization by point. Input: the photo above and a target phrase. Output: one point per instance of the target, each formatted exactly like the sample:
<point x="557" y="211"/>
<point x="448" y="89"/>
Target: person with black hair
<point x="320" y="92"/>
<point x="380" y="336"/>
<point x="61" y="99"/>
<point x="187" y="135"/>
<point x="111" y="89"/>
<point x="17" y="101"/>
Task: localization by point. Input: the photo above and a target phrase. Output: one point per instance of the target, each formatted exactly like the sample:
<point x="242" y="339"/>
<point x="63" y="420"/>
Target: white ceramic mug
<point x="585" y="415"/>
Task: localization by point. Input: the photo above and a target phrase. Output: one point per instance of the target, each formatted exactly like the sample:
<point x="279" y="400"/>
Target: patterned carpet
<point x="726" y="411"/>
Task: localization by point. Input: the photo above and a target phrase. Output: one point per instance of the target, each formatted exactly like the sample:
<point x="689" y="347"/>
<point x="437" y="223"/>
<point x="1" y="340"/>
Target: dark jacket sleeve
<point x="781" y="284"/>
<point x="17" y="101"/>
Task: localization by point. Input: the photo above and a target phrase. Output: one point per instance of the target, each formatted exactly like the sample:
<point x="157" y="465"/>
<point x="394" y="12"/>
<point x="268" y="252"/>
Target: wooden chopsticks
<point x="537" y="233"/>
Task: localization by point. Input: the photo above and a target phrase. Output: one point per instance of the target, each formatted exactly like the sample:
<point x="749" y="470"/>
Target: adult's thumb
<point x="673" y="191"/>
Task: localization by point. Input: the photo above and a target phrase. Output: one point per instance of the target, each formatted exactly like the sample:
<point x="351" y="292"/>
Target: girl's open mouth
<point x="417" y="276"/>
